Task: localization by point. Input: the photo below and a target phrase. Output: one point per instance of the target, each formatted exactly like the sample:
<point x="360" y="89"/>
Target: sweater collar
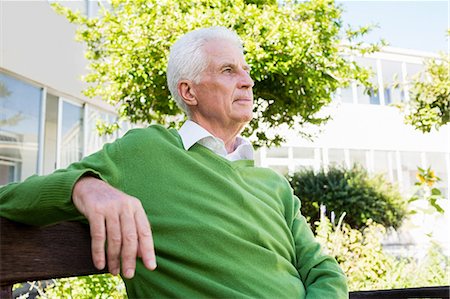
<point x="192" y="133"/>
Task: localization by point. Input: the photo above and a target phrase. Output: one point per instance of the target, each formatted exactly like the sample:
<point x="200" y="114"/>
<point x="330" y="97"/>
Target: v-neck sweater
<point x="221" y="229"/>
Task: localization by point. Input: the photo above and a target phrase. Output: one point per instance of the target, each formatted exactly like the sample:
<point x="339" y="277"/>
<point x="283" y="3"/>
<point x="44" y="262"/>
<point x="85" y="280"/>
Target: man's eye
<point x="227" y="70"/>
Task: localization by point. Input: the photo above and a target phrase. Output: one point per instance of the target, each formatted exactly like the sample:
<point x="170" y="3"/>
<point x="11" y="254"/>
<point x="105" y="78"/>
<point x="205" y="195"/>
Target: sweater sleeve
<point x="44" y="200"/>
<point x="320" y="273"/>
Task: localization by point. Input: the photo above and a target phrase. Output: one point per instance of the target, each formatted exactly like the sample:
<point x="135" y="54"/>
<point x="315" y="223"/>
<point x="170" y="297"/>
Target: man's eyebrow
<point x="227" y="64"/>
<point x="234" y="65"/>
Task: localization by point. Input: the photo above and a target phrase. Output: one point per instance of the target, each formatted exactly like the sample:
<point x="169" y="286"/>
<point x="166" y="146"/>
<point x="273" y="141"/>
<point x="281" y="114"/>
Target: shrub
<point x="369" y="267"/>
<point x="352" y="191"/>
<point x="86" y="287"/>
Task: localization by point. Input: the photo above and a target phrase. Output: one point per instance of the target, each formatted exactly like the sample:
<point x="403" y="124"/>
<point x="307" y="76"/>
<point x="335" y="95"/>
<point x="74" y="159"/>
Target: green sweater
<point x="221" y="229"/>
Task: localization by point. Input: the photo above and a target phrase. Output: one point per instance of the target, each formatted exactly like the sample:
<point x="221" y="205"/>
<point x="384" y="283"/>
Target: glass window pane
<point x="281" y="169"/>
<point x="409" y="163"/>
<point x="358" y="157"/>
<point x="20" y="105"/>
<point x="71" y="134"/>
<point x="336" y="157"/>
<point x="301" y="167"/>
<point x="277" y="152"/>
<point x="94" y="140"/>
<point x="124" y="127"/>
<point x="50" y="134"/>
<point x="303" y="153"/>
<point x="346" y="95"/>
<point x="437" y="162"/>
<point x="392" y="74"/>
<point x="413" y="69"/>
<point x="384" y="162"/>
<point x="370" y="97"/>
<point x="7" y="172"/>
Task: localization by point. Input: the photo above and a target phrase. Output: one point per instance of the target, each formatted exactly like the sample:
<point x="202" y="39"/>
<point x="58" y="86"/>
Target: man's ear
<point x="187" y="92"/>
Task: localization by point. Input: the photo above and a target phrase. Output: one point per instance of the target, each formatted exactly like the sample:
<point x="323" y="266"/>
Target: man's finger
<point x="145" y="237"/>
<point x="114" y="238"/>
<point x="129" y="243"/>
<point x="98" y="236"/>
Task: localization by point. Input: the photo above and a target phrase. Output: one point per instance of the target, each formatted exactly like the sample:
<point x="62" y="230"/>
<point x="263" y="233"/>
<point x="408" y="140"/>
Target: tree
<point x="294" y="50"/>
<point x="429" y="106"/>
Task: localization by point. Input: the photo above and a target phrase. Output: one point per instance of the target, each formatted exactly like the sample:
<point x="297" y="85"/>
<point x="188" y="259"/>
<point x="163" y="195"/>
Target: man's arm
<point x="113" y="216"/>
<point x="118" y="219"/>
<point x="320" y="273"/>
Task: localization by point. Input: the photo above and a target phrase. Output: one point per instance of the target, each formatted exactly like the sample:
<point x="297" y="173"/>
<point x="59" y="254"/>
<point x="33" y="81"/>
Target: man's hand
<point x="120" y="220"/>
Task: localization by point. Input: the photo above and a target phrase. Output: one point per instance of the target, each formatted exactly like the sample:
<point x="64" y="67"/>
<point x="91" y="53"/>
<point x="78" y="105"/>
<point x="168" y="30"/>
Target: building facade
<point x="45" y="121"/>
<point x="366" y="128"/>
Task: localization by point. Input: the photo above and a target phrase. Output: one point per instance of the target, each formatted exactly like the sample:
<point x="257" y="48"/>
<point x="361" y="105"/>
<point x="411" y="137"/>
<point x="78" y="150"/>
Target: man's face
<point x="224" y="93"/>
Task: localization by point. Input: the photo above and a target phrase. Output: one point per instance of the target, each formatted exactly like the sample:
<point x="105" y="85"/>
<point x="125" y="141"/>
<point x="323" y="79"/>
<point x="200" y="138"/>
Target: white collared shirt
<point x="192" y="133"/>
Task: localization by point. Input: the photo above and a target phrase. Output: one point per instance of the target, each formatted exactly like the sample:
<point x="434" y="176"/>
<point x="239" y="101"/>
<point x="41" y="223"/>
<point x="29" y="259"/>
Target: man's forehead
<point x="223" y="52"/>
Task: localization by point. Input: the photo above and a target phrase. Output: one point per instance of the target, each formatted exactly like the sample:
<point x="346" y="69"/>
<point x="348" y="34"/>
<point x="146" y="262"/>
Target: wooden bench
<point x="29" y="253"/>
<point x="35" y="253"/>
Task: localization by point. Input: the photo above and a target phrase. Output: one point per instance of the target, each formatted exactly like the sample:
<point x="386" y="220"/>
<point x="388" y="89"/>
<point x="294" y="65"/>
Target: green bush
<point x="369" y="267"/>
<point x="352" y="191"/>
<point x="86" y="287"/>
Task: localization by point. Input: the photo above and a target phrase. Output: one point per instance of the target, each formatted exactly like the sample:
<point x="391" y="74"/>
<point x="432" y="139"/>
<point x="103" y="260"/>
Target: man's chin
<point x="245" y="119"/>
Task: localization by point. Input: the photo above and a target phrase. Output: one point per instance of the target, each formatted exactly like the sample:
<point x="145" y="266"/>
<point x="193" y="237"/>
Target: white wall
<point x="40" y="45"/>
<point x="375" y="127"/>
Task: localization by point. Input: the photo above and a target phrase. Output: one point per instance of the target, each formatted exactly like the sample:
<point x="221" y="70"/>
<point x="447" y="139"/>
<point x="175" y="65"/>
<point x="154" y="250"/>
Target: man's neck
<point x="226" y="134"/>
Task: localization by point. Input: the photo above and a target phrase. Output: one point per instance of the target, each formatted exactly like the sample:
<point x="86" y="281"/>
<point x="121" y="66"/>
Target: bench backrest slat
<point x="29" y="253"/>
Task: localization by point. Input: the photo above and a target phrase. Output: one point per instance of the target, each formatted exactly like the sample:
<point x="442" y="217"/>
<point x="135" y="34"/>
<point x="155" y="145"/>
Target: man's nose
<point x="246" y="80"/>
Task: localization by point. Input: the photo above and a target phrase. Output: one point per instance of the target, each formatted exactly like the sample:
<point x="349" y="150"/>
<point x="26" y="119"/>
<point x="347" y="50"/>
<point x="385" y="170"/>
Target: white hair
<point x="187" y="59"/>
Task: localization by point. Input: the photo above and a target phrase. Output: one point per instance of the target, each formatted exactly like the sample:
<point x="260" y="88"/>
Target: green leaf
<point x="436" y="192"/>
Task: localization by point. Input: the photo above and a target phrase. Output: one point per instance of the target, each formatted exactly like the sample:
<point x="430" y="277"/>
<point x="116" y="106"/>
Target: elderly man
<point x="220" y="226"/>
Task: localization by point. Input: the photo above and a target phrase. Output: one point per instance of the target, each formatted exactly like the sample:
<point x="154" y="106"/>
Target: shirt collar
<point x="192" y="133"/>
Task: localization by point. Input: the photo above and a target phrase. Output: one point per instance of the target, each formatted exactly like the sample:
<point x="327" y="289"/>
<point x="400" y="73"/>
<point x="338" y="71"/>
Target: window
<point x="50" y="134"/>
<point x="346" y="95"/>
<point x="20" y="106"/>
<point x="336" y="157"/>
<point x="94" y="140"/>
<point x="358" y="157"/>
<point x="71" y="136"/>
<point x="281" y="169"/>
<point x="277" y="152"/>
<point x="409" y="163"/>
<point x="8" y="172"/>
<point x="412" y="71"/>
<point x="392" y="81"/>
<point x="368" y="96"/>
<point x="303" y="153"/>
<point x="437" y="162"/>
<point x="384" y="162"/>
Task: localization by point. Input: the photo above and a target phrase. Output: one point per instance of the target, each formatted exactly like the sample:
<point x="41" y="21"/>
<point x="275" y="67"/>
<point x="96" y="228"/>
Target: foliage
<point x="426" y="179"/>
<point x="86" y="287"/>
<point x="429" y="106"/>
<point x="368" y="266"/>
<point x="353" y="191"/>
<point x="294" y="49"/>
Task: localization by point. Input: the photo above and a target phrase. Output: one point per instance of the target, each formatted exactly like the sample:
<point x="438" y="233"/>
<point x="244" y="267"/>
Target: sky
<point x="418" y="25"/>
